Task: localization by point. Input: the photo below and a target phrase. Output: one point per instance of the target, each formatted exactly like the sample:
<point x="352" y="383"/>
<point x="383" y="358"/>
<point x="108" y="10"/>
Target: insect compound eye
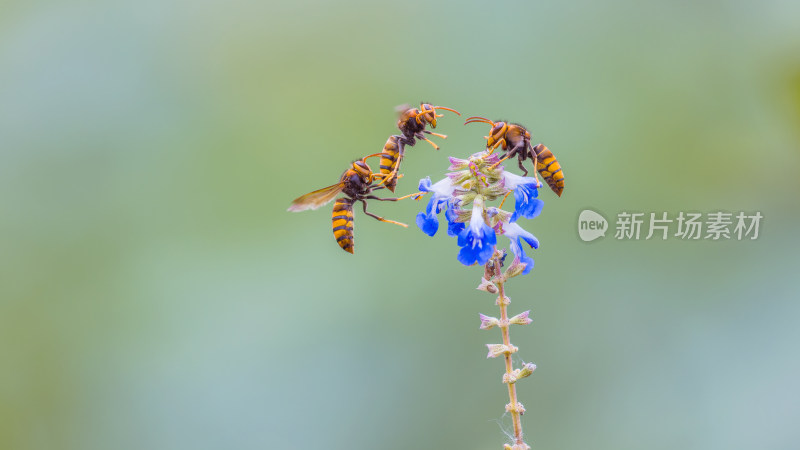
<point x="428" y="112"/>
<point x="362" y="169"/>
<point x="498" y="127"/>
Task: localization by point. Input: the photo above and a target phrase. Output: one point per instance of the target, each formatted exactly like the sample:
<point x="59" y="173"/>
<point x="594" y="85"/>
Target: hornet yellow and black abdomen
<point x="549" y="168"/>
<point x="343" y="223"/>
<point x="390" y="160"/>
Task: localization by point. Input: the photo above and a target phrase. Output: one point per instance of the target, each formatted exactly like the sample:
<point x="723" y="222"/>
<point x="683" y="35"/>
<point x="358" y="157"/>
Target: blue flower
<point x="526" y="189"/>
<point x="428" y="221"/>
<point x="441" y="192"/>
<point x="516" y="234"/>
<point x="477" y="241"/>
<point x="453" y="227"/>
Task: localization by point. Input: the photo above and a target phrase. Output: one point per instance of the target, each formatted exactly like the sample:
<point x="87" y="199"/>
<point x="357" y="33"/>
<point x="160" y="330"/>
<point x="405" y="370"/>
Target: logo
<point x="591" y="225"/>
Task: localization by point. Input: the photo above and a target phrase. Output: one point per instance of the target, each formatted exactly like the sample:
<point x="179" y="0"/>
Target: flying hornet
<point x="412" y="124"/>
<point x="516" y="141"/>
<point x="357" y="184"/>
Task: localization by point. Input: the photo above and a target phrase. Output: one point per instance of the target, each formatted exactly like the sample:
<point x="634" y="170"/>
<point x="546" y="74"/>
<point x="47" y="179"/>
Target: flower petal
<point x="424" y="184"/>
<point x="428" y="223"/>
<point x="476" y="246"/>
<point x="525" y="202"/>
<point x="453" y="227"/>
<point x="457" y="164"/>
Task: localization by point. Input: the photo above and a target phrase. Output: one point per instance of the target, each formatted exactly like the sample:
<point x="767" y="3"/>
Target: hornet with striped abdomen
<point x="412" y="123"/>
<point x="357" y="183"/>
<point x="516" y="141"/>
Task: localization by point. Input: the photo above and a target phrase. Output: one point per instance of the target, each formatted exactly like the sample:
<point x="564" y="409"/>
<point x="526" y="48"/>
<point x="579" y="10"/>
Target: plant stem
<point x="502" y="302"/>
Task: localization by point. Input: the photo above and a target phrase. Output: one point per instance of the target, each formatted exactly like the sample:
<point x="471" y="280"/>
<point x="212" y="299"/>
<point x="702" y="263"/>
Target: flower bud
<point x="521" y="319"/>
<point x="518" y="374"/>
<point x="516" y="408"/>
<point x="502" y="301"/>
<point x="510" y="378"/>
<point x="494" y="190"/>
<point x="499" y="253"/>
<point x="496" y="350"/>
<point x="488" y="322"/>
<point x="498" y="216"/>
<point x="526" y="370"/>
<point x="486" y="158"/>
<point x="515" y="268"/>
<point x="459" y="176"/>
<point x="467" y="184"/>
<point x="458" y="164"/>
<point x="487" y="286"/>
<point x="465" y="197"/>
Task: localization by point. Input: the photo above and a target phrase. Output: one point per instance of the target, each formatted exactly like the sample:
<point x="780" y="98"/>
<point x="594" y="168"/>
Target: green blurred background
<point x="156" y="294"/>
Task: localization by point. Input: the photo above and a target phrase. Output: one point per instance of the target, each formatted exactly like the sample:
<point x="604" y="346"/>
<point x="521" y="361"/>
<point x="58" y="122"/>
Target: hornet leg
<point x="443" y="136"/>
<point x="524" y="170"/>
<point x="504" y="199"/>
<point x="535" y="159"/>
<point x="423" y="138"/>
<point x="519" y="150"/>
<point x="364" y="203"/>
<point x="496" y="144"/>
<point x="415" y="196"/>
<point x="508" y="155"/>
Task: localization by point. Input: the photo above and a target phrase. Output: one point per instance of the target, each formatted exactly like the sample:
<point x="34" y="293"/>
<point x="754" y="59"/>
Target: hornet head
<point x="497" y="132"/>
<point x="427" y="113"/>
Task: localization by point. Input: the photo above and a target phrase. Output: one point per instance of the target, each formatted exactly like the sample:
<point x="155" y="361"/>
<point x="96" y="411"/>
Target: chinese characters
<point x="688" y="226"/>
